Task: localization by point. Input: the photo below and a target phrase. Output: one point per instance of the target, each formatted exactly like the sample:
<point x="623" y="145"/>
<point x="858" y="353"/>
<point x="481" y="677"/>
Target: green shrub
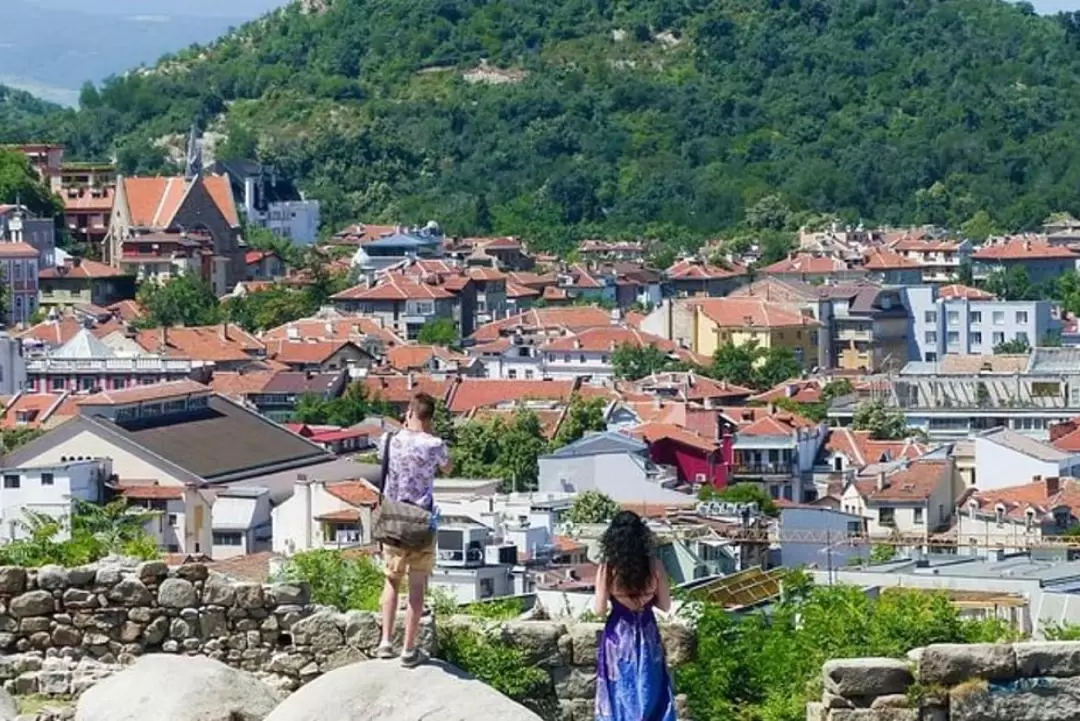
<point x="498" y="664"/>
<point x="344" y="583"/>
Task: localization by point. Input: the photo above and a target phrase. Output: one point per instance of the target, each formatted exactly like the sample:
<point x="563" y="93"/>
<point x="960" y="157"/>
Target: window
<point x="918" y="519"/>
<point x="551" y="357"/>
<point x="512" y="373"/>
<point x="1021" y="336"/>
<point x="487" y="587"/>
<point x="887" y="516"/>
<point x="975" y="316"/>
<point x="228" y="538"/>
<point x="118" y="384"/>
<point x="976" y="338"/>
<point x="930" y="316"/>
<point x="604" y="359"/>
<point x="954" y="317"/>
<point x="999" y="337"/>
<point x="172" y="519"/>
<point x="931" y="357"/>
<point x="46" y="479"/>
<point x="1021" y="316"/>
<point x="529" y="374"/>
<point x="11" y="480"/>
<point x="953" y="337"/>
<point x="57" y="384"/>
<point x="581" y="358"/>
<point x="566" y="358"/>
<point x="931" y="336"/>
<point x="999" y="317"/>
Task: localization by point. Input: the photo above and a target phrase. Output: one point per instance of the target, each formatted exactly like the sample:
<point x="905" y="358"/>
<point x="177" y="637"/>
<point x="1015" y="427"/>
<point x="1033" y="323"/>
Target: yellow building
<point x="743" y="320"/>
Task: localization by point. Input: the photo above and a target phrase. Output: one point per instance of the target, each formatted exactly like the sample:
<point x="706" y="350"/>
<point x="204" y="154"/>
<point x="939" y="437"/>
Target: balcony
<point x="65" y="296"/>
<point x="854" y="334"/>
<point x="468" y="557"/>
<point x="108" y="365"/>
<point x="784" y="469"/>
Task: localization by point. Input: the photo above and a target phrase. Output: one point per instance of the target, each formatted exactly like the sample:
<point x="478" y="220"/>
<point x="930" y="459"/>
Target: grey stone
<point x="896" y="700"/>
<point x="218" y="592"/>
<point x="538" y="639"/>
<point x="249" y="595"/>
<point x="108" y="575"/>
<point x="865" y="714"/>
<point x="212" y="624"/>
<point x="12" y="580"/>
<point x="171" y="646"/>
<point x="680" y="643"/>
<point x="26" y="684"/>
<point x="1060" y="658"/>
<point x="32" y="603"/>
<point x="585" y="638"/>
<point x="179" y="629"/>
<point x="52" y="578"/>
<point x="815" y="712"/>
<point x="177" y="593"/>
<point x="79" y="599"/>
<point x="8" y="708"/>
<point x="361" y="630"/>
<point x="141" y="615"/>
<point x="177" y="688"/>
<point x="288" y="663"/>
<point x="1024" y="699"/>
<point x="193" y="571"/>
<point x="155" y="632"/>
<point x="950" y="664"/>
<point x="319" y="631"/>
<point x="571" y="683"/>
<point x="866" y="676"/>
<point x="289" y="593"/>
<point x="130" y="592"/>
<point x="82" y="575"/>
<point x="831" y="701"/>
<point x="379" y="690"/>
<point x="34" y="624"/>
<point x="66" y="636"/>
<point x="339" y="658"/>
<point x="130" y="632"/>
<point x="152" y="571"/>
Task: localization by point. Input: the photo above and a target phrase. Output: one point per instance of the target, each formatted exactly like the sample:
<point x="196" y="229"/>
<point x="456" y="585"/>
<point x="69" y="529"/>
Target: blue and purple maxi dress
<point x="632" y="679"/>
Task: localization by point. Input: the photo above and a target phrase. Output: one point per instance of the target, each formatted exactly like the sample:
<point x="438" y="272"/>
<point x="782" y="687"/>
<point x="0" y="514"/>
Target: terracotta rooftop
<point x="797" y="389"/>
<point x="87" y="201"/>
<point x="1023" y="249"/>
<point x="470" y="393"/>
<point x="354" y="327"/>
<point x="220" y="343"/>
<point x="154" y="202"/>
<point x="573" y="318"/>
<point x="239" y="384"/>
<point x="417" y="357"/>
<point x="127" y="310"/>
<point x="401" y="389"/>
<point x="85" y="269"/>
<point x="355" y="493"/>
<point x="35" y="410"/>
<point x="58" y="332"/>
<point x="304" y="352"/>
<point x="956" y="290"/>
<point x="151" y="491"/>
<point x="140" y="394"/>
<point x="607" y="339"/>
<point x="652" y="432"/>
<point x="1042" y="495"/>
<point x="882" y="259"/>
<point x="18" y="250"/>
<point x="516" y="290"/>
<point x="700" y="270"/>
<point x="752" y="312"/>
<point x="916" y="482"/>
<point x="806" y="263"/>
<point x="921" y="245"/>
<point x="861" y="450"/>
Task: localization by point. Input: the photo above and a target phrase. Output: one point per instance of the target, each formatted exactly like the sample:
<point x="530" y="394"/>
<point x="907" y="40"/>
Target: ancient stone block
<point x="950" y="664"/>
<point x="1060" y="658"/>
<point x="32" y="603"/>
<point x="867" y="676"/>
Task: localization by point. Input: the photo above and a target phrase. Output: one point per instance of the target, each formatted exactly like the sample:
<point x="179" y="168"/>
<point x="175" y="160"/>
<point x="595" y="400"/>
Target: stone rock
<point x="82" y="575"/>
<point x="585" y="638"/>
<point x="193" y="572"/>
<point x="218" y="592"/>
<point x="34" y="624"/>
<point x="52" y="578"/>
<point x="865" y="714"/>
<point x="130" y="592"/>
<point x="851" y="677"/>
<point x="680" y="643"/>
<point x="66" y="636"/>
<point x="78" y="599"/>
<point x="12" y="580"/>
<point x="289" y="593"/>
<point x="157" y="630"/>
<point x="1060" y="658"/>
<point x="107" y="575"/>
<point x="896" y="700"/>
<point x="319" y="631"/>
<point x="177" y="593"/>
<point x="152" y="571"/>
<point x="361" y="630"/>
<point x="212" y="623"/>
<point x="177" y="688"/>
<point x="538" y="639"/>
<point x="8" y="708"/>
<point x="815" y="712"/>
<point x="249" y="595"/>
<point x="947" y="664"/>
<point x="385" y="691"/>
<point x="572" y="683"/>
<point x="1025" y="699"/>
<point x="32" y="603"/>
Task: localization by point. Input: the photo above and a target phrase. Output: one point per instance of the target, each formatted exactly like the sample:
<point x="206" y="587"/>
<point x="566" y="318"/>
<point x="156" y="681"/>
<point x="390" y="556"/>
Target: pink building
<point x="697" y="459"/>
<point x="19" y="264"/>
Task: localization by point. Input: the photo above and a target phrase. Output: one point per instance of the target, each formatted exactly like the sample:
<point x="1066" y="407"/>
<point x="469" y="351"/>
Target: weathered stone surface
<point x="177" y="593"/>
<point x="177" y="688"/>
<point x="1026" y="699"/>
<point x="815" y="712"/>
<point x="1061" y="658"/>
<point x="8" y="709"/>
<point x="865" y="714"/>
<point x="249" y="595"/>
<point x="52" y="578"/>
<point x="585" y="638"/>
<point x="866" y="676"/>
<point x="152" y="571"/>
<point x="319" y="631"/>
<point x="130" y="592"/>
<point x="380" y="690"/>
<point x="680" y="643"/>
<point x="219" y="592"/>
<point x="896" y="700"/>
<point x="79" y="599"/>
<point x="538" y="639"/>
<point x="361" y="630"/>
<point x="12" y="580"/>
<point x="157" y="630"/>
<point x="32" y="603"/>
<point x="289" y="593"/>
<point x="950" y="664"/>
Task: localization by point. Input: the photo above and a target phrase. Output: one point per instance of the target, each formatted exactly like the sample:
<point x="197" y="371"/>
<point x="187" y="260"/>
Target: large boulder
<point x="177" y="688"/>
<point x="8" y="708"/>
<point x="385" y="691"/>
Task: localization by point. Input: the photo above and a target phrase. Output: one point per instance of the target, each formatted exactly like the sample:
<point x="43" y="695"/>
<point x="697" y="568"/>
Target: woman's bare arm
<point x="600" y="602"/>
<point x="662" y="599"/>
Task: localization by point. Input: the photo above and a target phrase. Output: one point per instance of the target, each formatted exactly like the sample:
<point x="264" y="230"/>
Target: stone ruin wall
<point x="64" y="629"/>
<point x="1031" y="681"/>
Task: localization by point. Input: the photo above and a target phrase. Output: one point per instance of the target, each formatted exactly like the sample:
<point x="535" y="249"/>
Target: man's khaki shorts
<point x="398" y="561"/>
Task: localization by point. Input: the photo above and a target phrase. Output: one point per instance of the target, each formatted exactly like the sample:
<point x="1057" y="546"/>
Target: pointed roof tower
<point x="194" y="155"/>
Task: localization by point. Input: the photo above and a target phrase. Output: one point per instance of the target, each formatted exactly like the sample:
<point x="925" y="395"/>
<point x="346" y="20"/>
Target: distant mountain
<point x="51" y="47"/>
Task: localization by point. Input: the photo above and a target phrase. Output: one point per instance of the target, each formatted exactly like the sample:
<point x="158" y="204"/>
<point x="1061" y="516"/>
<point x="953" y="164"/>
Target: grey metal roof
<point x="599" y="443"/>
<point x="1008" y="438"/>
<point x="1055" y="360"/>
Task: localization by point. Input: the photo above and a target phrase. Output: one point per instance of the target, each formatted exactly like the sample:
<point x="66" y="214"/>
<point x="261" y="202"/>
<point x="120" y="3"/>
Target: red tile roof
<point x="470" y="393"/>
<point x="34" y="410"/>
<point x="607" y="339"/>
<point x="1023" y="249"/>
<point x="1040" y="495"/>
<point x="256" y="256"/>
<point x="797" y="389"/>
<point x="752" y="312"/>
<point x="154" y="202"/>
<point x="59" y="332"/>
<point x="219" y="343"/>
<point x="86" y="201"/>
<point x="395" y="287"/>
<point x="151" y="491"/>
<point x="416" y="357"/>
<point x="916" y="482"/>
<point x="18" y="250"/>
<point x="956" y="290"/>
<point x="515" y="290"/>
<point x="85" y="269"/>
<point x="127" y="310"/>
<point x="303" y="352"/>
<point x="351" y="327"/>
<point x="157" y="391"/>
<point x="573" y="318"/>
<point x="401" y="389"/>
<point x="699" y="270"/>
<point x="355" y="493"/>
<point x="921" y="245"/>
<point x="806" y="263"/>
<point x="861" y="450"/>
<point x="553" y="293"/>
<point x="652" y="432"/>
<point x="881" y="259"/>
<point x="240" y="384"/>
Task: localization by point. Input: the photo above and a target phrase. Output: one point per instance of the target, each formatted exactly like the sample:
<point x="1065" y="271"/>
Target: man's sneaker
<point x="385" y="651"/>
<point x="412" y="657"/>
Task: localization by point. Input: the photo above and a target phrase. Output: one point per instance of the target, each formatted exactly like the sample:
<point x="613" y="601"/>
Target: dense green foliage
<point x="90" y="533"/>
<point x="766" y="668"/>
<point x="344" y="583"/>
<point x="672" y="119"/>
<point x="751" y="366"/>
<point x="441" y="331"/>
<point x="348" y="409"/>
<point x="741" y="493"/>
<point x="883" y="422"/>
<point x="633" y="362"/>
<point x="592" y="507"/>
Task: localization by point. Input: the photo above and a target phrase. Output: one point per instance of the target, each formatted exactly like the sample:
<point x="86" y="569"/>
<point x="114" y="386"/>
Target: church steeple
<point x="194" y="155"/>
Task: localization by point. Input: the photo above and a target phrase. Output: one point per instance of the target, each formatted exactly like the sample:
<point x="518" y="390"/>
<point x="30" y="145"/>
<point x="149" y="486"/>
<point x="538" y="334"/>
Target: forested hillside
<point x="666" y="117"/>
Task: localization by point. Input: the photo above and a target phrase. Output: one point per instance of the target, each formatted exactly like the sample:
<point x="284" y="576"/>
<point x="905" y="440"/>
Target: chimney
<point x="76" y="261"/>
<point x="1053" y="486"/>
<point x="411" y="380"/>
<point x="882" y="483"/>
<point x="163" y="337"/>
<point x="304" y="491"/>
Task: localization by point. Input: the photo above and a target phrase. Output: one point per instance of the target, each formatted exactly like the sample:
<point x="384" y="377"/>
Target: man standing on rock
<point x="416" y="455"/>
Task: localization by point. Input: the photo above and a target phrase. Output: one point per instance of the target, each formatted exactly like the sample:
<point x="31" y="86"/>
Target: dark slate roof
<point x="221" y="442"/>
<point x="301" y="382"/>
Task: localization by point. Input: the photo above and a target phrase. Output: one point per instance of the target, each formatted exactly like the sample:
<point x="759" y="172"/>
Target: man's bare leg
<point x="389" y="615"/>
<point x="417" y="589"/>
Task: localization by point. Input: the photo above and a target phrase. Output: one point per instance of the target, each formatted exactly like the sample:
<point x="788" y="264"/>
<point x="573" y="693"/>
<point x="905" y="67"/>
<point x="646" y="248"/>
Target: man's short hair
<point x="423" y="407"/>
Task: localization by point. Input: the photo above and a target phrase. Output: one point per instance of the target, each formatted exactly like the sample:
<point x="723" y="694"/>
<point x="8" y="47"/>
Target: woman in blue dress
<point x="632" y="679"/>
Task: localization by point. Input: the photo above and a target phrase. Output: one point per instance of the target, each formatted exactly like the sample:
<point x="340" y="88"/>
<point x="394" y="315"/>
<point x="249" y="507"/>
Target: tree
<point x="496" y="447"/>
<point x="735" y="363"/>
<point x="741" y="493"/>
<point x="440" y="332"/>
<point x="592" y="507"/>
<point x="583" y="415"/>
<point x="19" y="183"/>
<point x="632" y="362"/>
<point x="979" y="227"/>
<point x="348" y="409"/>
<point x="185" y="300"/>
<point x="837" y="389"/>
<point x="1017" y="346"/>
<point x="1011" y="284"/>
<point x="777" y="366"/>
<point x="269" y="308"/>
<point x="12" y="438"/>
<point x="883" y="422"/>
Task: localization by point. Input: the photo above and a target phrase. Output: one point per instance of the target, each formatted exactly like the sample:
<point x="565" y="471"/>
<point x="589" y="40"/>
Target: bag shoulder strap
<point x="386" y="463"/>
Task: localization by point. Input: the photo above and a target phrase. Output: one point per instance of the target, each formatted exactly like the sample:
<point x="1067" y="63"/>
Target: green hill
<point x="24" y="117"/>
<point x="562" y="118"/>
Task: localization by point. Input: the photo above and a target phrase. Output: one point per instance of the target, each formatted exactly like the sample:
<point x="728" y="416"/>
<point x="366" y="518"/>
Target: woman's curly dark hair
<point x="627" y="548"/>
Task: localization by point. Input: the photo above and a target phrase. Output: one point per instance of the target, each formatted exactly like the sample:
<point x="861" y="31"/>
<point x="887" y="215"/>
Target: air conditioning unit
<point x="462" y="546"/>
<point x="700" y="478"/>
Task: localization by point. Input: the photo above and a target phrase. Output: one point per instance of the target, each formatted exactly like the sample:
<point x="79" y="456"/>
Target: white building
<point x="816" y="537"/>
<point x="1003" y="457"/>
<point x="182" y="514"/>
<point x="50" y="490"/>
<point x="324" y="515"/>
<point x="241" y="522"/>
<point x="913" y="499"/>
<point x="471" y="567"/>
<point x="1015" y="517"/>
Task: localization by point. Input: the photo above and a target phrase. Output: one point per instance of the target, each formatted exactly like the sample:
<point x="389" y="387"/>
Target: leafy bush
<point x="500" y="609"/>
<point x="496" y="663"/>
<point x="592" y="507"/>
<point x="344" y="583"/>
